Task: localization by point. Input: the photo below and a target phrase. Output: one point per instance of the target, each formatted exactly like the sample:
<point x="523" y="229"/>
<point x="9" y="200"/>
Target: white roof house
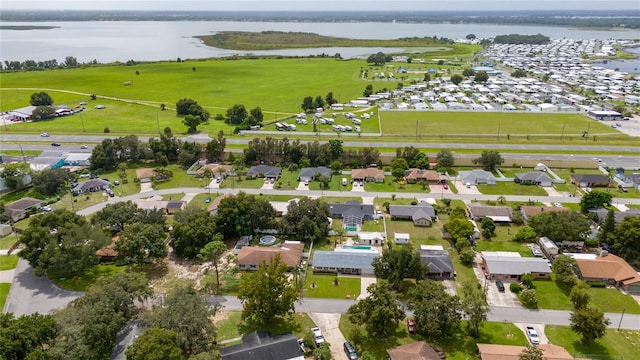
<point x="401" y="238"/>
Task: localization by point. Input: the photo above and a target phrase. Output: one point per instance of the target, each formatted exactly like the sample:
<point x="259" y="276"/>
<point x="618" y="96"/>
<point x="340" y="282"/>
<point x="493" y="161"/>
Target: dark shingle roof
<point x="438" y="261"/>
<point x="261" y="345"/>
<point x="351" y="207"/>
<point x="423" y="208"/>
<point x="590" y="178"/>
<point x="533" y="176"/>
<point x="315" y="171"/>
<point x="266" y="170"/>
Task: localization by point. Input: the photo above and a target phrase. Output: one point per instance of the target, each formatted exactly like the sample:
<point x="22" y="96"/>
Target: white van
<point x="344" y="181"/>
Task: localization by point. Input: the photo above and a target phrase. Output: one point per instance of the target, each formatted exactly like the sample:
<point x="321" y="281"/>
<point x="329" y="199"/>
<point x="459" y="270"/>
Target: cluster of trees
<point x="379" y="58"/>
<point x="310" y="104"/>
<point x="307" y="219"/>
<point x="61" y="242"/>
<point x="307" y="154"/>
<point x="569" y="226"/>
<point x="32" y="65"/>
<point x="163" y="150"/>
<point x="625" y="236"/>
<point x="194" y="114"/>
<point x="595" y="199"/>
<point x="537" y="39"/>
<point x="489" y="160"/>
<point x="16" y="176"/>
<point x="437" y="315"/>
<point x="238" y="115"/>
<point x="47" y="182"/>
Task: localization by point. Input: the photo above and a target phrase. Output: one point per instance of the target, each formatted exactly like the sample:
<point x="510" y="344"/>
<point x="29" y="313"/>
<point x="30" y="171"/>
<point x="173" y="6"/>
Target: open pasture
<point x="276" y="85"/>
<point x="450" y="123"/>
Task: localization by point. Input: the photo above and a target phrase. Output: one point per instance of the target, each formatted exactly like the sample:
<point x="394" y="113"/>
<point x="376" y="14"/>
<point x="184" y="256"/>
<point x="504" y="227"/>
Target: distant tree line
<point x="537" y="39"/>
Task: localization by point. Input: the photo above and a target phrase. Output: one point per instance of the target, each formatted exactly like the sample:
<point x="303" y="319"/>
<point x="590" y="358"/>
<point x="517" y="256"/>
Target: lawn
<point x="373" y="226"/>
<point x="231" y="182"/>
<point x="484" y="245"/>
<point x="392" y="186"/>
<point x="459" y="347"/>
<point x="550" y="296"/>
<point x="416" y="233"/>
<point x="232" y="326"/>
<point x="82" y="282"/>
<point x="335" y="184"/>
<point x="397" y="201"/>
<point x="615" y="344"/>
<point x="75" y="203"/>
<point x="288" y="180"/>
<point x="217" y="85"/>
<point x="437" y="123"/>
<point x="511" y="188"/>
<point x="8" y="262"/>
<point x="7" y="241"/>
<point x="4" y="292"/>
<point x="341" y="200"/>
<point x="322" y="286"/>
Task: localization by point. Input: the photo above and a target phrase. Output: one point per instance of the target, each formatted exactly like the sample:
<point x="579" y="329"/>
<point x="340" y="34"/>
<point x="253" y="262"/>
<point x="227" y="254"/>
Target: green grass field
<point x="8" y="262"/>
<point x="347" y="288"/>
<point x="7" y="241"/>
<point x="511" y="188"/>
<point x="82" y="282"/>
<point x="485" y="123"/>
<point x="4" y="292"/>
<point x="231" y="325"/>
<point x="614" y="345"/>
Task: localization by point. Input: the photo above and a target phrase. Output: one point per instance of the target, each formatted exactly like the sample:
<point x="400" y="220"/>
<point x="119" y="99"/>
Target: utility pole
<point x="498" y="136"/>
<point x="158" y="123"/>
<point x="82" y="122"/>
<point x="562" y="133"/>
<point x="621" y="316"/>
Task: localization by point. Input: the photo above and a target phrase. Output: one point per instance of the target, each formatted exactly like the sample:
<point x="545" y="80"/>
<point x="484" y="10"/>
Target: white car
<point x="557" y="204"/>
<point x="533" y="335"/>
<point x="45" y="135"/>
<point x="317" y="335"/>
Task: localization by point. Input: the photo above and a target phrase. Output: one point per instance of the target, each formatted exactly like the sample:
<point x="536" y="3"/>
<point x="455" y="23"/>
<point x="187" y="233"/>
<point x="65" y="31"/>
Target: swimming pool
<point x="267" y="240"/>
<point x="357" y="247"/>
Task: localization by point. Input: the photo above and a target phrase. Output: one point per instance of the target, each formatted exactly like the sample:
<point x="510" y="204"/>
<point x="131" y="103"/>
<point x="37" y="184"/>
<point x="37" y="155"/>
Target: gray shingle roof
<point x="516" y="265"/>
<point x="261" y="345"/>
<point x="344" y="259"/>
<point x="537" y="176"/>
<point x="265" y="170"/>
<point x="425" y="209"/>
<point x="308" y="173"/>
<point x="438" y="261"/>
<point x="341" y="209"/>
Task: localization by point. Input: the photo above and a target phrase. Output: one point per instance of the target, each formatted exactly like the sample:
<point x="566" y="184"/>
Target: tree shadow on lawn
<point x="279" y="325"/>
<point x="594" y="348"/>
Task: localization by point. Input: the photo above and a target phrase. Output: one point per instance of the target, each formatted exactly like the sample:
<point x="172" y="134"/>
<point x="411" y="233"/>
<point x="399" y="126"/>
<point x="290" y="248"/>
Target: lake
<point x="108" y="41"/>
<point x="630" y="66"/>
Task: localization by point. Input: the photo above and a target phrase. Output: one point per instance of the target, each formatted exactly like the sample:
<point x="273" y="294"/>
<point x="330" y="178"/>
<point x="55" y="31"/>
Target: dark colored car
<point x="500" y="286"/>
<point x="350" y="351"/>
<point x="411" y="326"/>
<point x="55" y="144"/>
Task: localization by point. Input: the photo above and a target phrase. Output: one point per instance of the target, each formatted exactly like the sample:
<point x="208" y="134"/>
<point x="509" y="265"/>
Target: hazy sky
<point x="298" y="5"/>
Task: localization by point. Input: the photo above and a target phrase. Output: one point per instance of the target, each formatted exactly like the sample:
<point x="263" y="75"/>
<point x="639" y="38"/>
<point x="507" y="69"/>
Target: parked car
<point x="533" y="335"/>
<point x="351" y="352"/>
<point x="411" y="326"/>
<point x="317" y="335"/>
<point x="116" y="182"/>
<point x="55" y="144"/>
<point x="45" y="135"/>
<point x="500" y="286"/>
<point x="306" y="182"/>
<point x="100" y="107"/>
<point x="445" y="186"/>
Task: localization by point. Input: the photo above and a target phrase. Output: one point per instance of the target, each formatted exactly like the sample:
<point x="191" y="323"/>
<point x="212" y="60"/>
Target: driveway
<point x="439" y="189"/>
<point x="188" y="197"/>
<point x="328" y="323"/>
<point x="267" y="186"/>
<point x="463" y="189"/>
<point x="30" y="293"/>
<point x="214" y="184"/>
<point x="365" y="281"/>
<point x="553" y="192"/>
<point x="146" y="187"/>
<point x="356" y="187"/>
<point x="539" y="329"/>
<point x="302" y="186"/>
<point x="495" y="297"/>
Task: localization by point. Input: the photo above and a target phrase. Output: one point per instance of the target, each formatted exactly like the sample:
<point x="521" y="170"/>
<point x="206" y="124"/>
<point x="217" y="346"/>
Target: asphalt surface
<point x="30" y="293"/>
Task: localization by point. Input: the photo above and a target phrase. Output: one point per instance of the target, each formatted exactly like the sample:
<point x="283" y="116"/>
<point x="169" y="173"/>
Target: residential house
<point x="632" y="180"/>
<point x="261" y="345"/>
<point x="476" y="177"/>
<point x="414" y="175"/>
<point x="534" y="178"/>
<point x="401" y="238"/>
<point x="344" y="262"/>
<point x="250" y="257"/>
<point x="438" y="261"/>
<point x="18" y="209"/>
<point x="548" y="247"/>
<point x="157" y="203"/>
<point x="477" y="211"/>
<point x="264" y="171"/>
<point x="352" y="213"/>
<point x="422" y="214"/>
<point x="505" y="265"/>
<point x="368" y="175"/>
<point x="314" y="173"/>
<point x="217" y="170"/>
<point x="610" y="269"/>
<point x="215" y="203"/>
<point x="90" y="186"/>
<point x="529" y="211"/>
<point x="145" y="175"/>
<point x="618" y="216"/>
<point x="371" y="238"/>
<point x="415" y="350"/>
<point x="590" y="180"/>
<point x="5" y="230"/>
<point x="512" y="352"/>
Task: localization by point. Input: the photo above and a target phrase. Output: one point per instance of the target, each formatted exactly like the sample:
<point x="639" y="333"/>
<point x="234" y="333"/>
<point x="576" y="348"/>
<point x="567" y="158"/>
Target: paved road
<point x="30" y="294"/>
